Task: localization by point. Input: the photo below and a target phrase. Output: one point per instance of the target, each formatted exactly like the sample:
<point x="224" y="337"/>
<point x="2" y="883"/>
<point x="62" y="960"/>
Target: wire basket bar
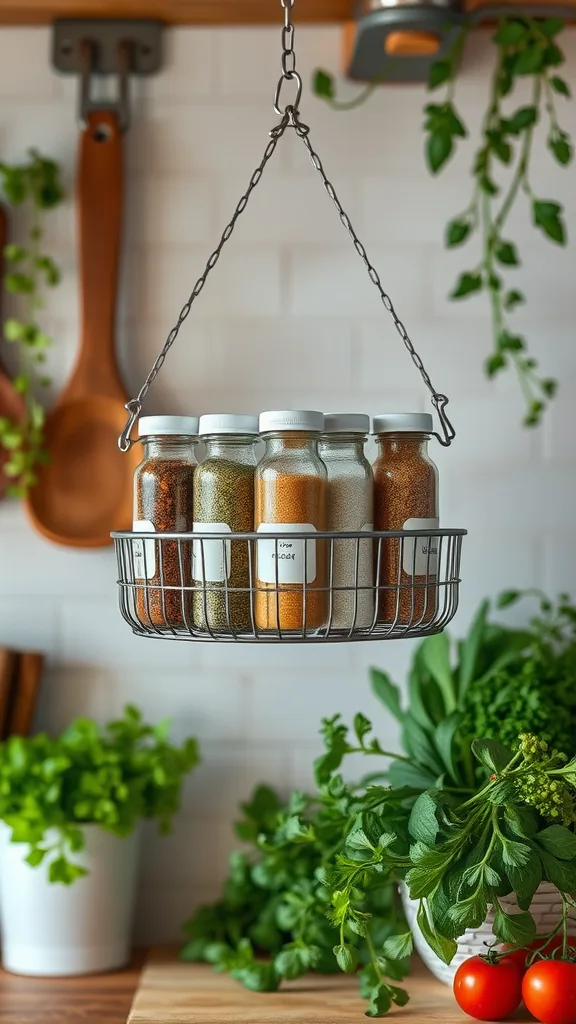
<point x="289" y="587"/>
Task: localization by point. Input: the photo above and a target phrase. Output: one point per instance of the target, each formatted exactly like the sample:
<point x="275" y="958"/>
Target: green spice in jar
<point x="224" y="504"/>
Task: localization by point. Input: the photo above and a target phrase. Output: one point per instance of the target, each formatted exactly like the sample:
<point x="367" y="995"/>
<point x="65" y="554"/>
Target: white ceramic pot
<point x="59" y="930"/>
<point x="546" y="909"/>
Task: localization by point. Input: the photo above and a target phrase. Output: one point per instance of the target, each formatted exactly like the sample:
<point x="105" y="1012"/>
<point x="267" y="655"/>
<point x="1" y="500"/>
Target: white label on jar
<point x="421" y="553"/>
<point x="211" y="559"/>
<point x="144" y="551"/>
<point x="286" y="557"/>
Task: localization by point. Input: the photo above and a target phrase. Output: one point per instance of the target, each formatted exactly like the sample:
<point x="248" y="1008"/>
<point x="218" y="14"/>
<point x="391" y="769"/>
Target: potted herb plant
<point x="319" y="890"/>
<point x="70" y="809"/>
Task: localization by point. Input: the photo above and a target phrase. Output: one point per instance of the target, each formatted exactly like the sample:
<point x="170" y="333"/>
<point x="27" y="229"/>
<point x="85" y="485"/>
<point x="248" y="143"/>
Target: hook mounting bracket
<point x="106" y="36"/>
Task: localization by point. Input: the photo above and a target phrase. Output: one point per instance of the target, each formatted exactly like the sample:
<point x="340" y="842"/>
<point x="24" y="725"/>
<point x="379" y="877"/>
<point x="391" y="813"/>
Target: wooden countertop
<point x="100" y="999"/>
<point x="176" y="993"/>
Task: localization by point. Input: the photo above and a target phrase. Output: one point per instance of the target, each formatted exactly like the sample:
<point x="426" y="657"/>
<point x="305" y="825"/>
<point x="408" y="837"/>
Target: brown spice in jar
<point x="164" y="496"/>
<point x="405" y="487"/>
<point x="286" y="498"/>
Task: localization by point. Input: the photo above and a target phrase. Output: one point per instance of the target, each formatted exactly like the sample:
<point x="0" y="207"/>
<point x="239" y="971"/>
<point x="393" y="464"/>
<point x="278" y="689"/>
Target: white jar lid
<point x="159" y="425"/>
<point x="404" y="422"/>
<point x="291" y="419"/>
<point x="346" y="423"/>
<point x="227" y="423"/>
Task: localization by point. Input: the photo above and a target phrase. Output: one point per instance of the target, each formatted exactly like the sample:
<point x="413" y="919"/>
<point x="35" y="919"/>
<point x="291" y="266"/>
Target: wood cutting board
<point x="175" y="993"/>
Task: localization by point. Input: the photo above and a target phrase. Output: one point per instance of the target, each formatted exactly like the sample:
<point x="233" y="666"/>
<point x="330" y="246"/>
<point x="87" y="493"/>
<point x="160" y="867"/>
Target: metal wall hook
<point x="121" y="107"/>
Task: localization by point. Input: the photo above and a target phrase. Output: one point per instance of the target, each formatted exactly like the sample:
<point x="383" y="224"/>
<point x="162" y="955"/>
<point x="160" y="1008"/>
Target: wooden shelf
<point x="175" y="12"/>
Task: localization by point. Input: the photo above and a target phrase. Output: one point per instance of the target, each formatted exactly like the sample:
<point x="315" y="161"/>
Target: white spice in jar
<point x="350" y="508"/>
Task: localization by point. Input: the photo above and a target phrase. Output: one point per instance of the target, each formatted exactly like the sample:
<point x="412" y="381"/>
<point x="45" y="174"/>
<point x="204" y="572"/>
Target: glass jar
<point x="224" y="503"/>
<point x="290" y="493"/>
<point x="406" y="498"/>
<point x="163" y="489"/>
<point x="350" y="507"/>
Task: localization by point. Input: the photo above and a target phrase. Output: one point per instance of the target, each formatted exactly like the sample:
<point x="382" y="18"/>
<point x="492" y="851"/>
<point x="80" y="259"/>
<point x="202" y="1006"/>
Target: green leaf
<point x="346" y="958"/>
<point x="358" y="840"/>
<point x="512" y="299"/>
<point x="507" y="254"/>
<point x="401" y="773"/>
<point x="435" y="655"/>
<point x="380" y="1001"/>
<point x="14" y="253"/>
<point x="514" y="854"/>
<point x="444" y="948"/>
<point x="523" y="118"/>
<point x="19" y="284"/>
<point x="439" y="148"/>
<point x="528" y="61"/>
<point x="470" y="649"/>
<point x="560" y="86"/>
<point x="561" y="149"/>
<point x="457" y="232"/>
<point x="494" y="364"/>
<point x="399" y="995"/>
<point x="362" y="726"/>
<point x="549" y="387"/>
<point x="444" y="739"/>
<point x="323" y="85"/>
<point x="36" y="856"/>
<point x="440" y="72"/>
<point x="385" y="690"/>
<point x="397" y="947"/>
<point x="493" y="755"/>
<point x="551" y="26"/>
<point x="467" y="284"/>
<point x="518" y="929"/>
<point x="423" y="824"/>
<point x="510" y="342"/>
<point x="14" y="330"/>
<point x="419" y="746"/>
<point x="525" y="880"/>
<point x="562" y="874"/>
<point x="559" y="841"/>
<point x="289" y="964"/>
<point x="510" y="33"/>
<point x="547" y="215"/>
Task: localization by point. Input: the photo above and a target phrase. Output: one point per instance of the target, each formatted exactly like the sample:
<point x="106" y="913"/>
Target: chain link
<point x="290" y="118"/>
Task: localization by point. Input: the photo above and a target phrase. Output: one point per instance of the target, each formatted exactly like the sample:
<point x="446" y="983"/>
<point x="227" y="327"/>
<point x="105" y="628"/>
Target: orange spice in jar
<point x="290" y="497"/>
<point x="406" y="498"/>
<point x="163" y="493"/>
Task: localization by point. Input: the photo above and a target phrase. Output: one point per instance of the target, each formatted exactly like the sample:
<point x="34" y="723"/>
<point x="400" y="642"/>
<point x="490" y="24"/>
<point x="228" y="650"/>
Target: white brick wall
<point x="288" y="318"/>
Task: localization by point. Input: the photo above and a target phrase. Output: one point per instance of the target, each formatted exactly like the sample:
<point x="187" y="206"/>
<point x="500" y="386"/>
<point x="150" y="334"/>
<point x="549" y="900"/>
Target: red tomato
<point x="488" y="991"/>
<point x="544" y="947"/>
<point x="549" y="991"/>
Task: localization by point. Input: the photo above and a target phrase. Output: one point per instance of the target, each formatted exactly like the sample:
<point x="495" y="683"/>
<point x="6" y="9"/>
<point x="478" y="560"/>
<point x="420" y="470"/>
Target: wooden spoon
<point x="12" y="405"/>
<point x="8" y="665"/>
<point x="86" y="489"/>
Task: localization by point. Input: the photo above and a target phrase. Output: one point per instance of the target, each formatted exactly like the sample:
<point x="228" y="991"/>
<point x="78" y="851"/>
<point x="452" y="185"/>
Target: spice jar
<point x="350" y="507"/>
<point x="224" y="503"/>
<point x="406" y="498"/>
<point x="163" y="485"/>
<point x="290" y="494"/>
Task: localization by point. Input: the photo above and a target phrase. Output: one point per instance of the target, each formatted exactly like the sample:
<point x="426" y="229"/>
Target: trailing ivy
<point x="34" y="185"/>
<point x="526" y="49"/>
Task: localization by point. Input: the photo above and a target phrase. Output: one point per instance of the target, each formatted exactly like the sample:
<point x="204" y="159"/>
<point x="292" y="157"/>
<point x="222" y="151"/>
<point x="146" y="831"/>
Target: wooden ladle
<point x="85" y="491"/>
<point x="12" y="404"/>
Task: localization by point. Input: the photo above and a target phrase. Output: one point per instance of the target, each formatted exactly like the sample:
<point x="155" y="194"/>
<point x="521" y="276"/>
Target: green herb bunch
<point x="275" y="922"/>
<point x="525" y="49"/>
<point x="468" y="856"/>
<point x="111" y="776"/>
<point x="35" y="186"/>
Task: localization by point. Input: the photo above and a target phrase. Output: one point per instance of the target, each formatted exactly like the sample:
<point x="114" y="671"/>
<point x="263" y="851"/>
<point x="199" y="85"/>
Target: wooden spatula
<point x="85" y="491"/>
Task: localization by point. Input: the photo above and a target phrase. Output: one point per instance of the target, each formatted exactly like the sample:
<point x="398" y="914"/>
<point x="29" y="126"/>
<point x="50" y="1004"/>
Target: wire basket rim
<point x="293" y="534"/>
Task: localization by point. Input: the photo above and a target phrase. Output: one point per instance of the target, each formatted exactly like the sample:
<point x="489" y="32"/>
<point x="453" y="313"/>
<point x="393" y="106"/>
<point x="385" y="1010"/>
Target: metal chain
<point x="134" y="407"/>
<point x="290" y="118"/>
<point x="439" y="401"/>
<point x="289" y="73"/>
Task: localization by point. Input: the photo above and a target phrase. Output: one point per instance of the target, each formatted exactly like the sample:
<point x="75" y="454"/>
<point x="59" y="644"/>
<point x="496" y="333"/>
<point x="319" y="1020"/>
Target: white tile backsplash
<point x="287" y="318"/>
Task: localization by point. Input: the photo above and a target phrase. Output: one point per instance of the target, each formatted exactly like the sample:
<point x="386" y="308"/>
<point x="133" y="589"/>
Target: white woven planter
<point x="56" y="930"/>
<point x="546" y="909"/>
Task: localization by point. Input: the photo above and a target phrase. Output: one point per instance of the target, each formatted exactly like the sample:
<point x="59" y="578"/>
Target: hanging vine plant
<point x="35" y="186"/>
<point x="526" y="49"/>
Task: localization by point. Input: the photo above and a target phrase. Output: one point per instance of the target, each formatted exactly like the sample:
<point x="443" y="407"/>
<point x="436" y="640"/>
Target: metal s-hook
<point x="86" y="60"/>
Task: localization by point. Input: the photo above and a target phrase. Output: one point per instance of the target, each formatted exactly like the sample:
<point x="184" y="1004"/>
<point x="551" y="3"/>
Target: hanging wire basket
<point x="363" y="586"/>
<point x="169" y="589"/>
